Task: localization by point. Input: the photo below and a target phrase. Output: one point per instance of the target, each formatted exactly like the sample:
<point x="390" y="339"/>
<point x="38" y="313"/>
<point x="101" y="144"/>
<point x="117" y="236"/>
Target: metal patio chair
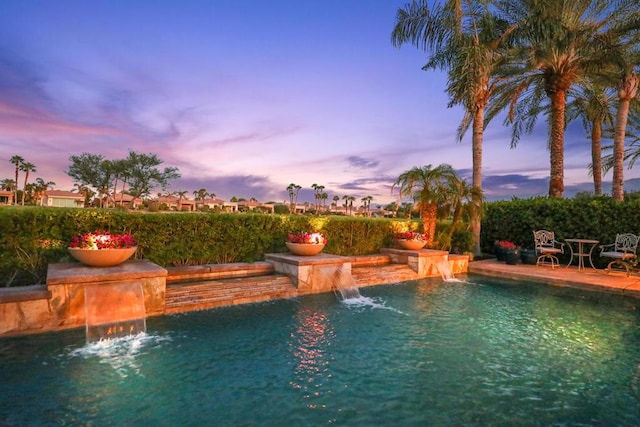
<point x="622" y="251"/>
<point x="547" y="248"/>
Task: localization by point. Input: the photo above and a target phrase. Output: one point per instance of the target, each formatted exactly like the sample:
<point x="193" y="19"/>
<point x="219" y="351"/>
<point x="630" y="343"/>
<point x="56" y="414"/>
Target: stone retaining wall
<point x="60" y="304"/>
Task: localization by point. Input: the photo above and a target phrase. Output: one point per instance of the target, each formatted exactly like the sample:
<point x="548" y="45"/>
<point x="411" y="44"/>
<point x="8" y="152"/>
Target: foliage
<point x="597" y="217"/>
<point x="31" y="238"/>
<point x="139" y="171"/>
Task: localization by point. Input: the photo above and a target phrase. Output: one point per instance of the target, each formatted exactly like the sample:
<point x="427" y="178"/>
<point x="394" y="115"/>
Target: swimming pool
<point x="480" y="352"/>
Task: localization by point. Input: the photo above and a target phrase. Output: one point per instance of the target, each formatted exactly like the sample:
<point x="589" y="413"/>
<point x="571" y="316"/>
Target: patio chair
<point x="547" y="248"/>
<point x="622" y="251"/>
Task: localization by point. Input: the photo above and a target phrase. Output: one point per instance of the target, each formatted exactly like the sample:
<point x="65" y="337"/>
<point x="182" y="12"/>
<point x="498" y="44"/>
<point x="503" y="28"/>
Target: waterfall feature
<point x="114" y="310"/>
<point x="340" y="281"/>
<point x="442" y="264"/>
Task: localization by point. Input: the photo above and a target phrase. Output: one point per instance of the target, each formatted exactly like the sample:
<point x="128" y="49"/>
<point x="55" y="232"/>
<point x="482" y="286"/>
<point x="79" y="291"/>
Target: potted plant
<point x="411" y="240"/>
<point x="305" y="243"/>
<point x="102" y="249"/>
<point x="502" y="248"/>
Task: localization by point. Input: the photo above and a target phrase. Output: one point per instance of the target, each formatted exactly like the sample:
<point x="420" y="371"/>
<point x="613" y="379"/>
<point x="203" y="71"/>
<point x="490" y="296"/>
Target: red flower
<point x="307" y="238"/>
<point x="505" y="244"/>
<point x="411" y="235"/>
<point x="102" y="240"/>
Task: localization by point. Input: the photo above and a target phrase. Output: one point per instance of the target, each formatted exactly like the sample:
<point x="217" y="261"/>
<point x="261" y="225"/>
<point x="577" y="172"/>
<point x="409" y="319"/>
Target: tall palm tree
<point x="557" y="43"/>
<point x="26" y="167"/>
<point x="293" y="190"/>
<point x="17" y="161"/>
<point x="465" y="39"/>
<point x="429" y="188"/>
<point x="627" y="61"/>
<point x="593" y="103"/>
<point x="119" y="169"/>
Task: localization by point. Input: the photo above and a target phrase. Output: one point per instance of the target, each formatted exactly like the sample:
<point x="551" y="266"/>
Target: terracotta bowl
<point x="304" y="249"/>
<point x="413" y="245"/>
<point x="102" y="257"/>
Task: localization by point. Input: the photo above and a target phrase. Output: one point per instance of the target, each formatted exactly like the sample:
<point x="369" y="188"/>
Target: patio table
<point x="580" y="253"/>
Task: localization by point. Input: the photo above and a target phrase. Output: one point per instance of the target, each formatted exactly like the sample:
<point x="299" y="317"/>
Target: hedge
<point x="31" y="238"/>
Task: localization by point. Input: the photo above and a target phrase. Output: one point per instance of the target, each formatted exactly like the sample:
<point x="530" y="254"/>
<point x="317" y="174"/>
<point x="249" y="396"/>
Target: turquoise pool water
<point x="424" y="353"/>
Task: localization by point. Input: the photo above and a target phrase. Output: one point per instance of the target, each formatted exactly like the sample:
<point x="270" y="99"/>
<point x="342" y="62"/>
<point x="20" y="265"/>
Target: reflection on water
<point x="310" y="344"/>
<point x="426" y="352"/>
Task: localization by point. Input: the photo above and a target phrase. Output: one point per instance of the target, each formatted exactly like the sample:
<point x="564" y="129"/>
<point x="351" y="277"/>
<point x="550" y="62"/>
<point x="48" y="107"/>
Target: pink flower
<point x="307" y="238"/>
<point x="411" y="235"/>
<point x="102" y="240"/>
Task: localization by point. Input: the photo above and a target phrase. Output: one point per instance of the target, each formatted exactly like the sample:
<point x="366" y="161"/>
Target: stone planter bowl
<point x="305" y="249"/>
<point x="413" y="245"/>
<point x="102" y="257"/>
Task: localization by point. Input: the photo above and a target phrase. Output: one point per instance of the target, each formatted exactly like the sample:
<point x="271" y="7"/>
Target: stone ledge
<point x="320" y="259"/>
<point x="73" y="272"/>
<point x="218" y="271"/>
<point x="24" y="293"/>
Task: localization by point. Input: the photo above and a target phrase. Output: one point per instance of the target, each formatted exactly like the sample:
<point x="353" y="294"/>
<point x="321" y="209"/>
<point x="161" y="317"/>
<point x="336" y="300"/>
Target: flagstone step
<point x="218" y="293"/>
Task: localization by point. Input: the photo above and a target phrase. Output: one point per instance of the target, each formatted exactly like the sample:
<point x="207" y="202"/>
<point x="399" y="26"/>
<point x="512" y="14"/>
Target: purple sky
<point x="245" y="98"/>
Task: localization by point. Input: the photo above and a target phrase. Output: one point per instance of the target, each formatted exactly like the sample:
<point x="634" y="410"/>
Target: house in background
<point x="6" y="197"/>
<point x="63" y="199"/>
<point x="220" y="204"/>
<point x="250" y="205"/>
<point x="125" y="200"/>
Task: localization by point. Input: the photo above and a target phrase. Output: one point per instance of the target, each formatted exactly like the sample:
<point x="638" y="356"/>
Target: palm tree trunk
<point x="429" y="214"/>
<point x="24" y="191"/>
<point x="596" y="156"/>
<point x="476" y="142"/>
<point x="556" y="144"/>
<point x="626" y="92"/>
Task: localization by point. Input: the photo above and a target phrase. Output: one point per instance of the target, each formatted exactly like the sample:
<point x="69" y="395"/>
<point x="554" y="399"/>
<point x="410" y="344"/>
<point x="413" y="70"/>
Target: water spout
<point x="341" y="281"/>
<point x="442" y="264"/>
<point x="114" y="310"/>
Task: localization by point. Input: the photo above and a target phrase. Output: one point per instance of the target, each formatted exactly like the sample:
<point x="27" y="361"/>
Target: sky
<point x="245" y="98"/>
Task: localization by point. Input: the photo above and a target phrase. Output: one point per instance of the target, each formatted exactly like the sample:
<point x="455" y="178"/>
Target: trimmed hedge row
<point x="599" y="218"/>
<point x="31" y="238"/>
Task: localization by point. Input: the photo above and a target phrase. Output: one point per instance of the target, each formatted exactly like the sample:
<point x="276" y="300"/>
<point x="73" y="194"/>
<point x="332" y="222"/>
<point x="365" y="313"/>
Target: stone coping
<point x="73" y="272"/>
<point x="24" y="293"/>
<point x="259" y="266"/>
<point x="419" y="253"/>
<point x="320" y="259"/>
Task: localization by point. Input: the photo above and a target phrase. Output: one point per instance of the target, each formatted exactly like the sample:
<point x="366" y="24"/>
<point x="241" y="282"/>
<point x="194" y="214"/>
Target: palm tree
<point x="26" y="167"/>
<point x="293" y="190"/>
<point x="41" y="188"/>
<point x="429" y="188"/>
<point x="345" y="203"/>
<point x="181" y="195"/>
<point x="366" y="203"/>
<point x="119" y="169"/>
<point x="17" y="161"/>
<point x="593" y="103"/>
<point x="626" y="60"/>
<point x="7" y="184"/>
<point x="463" y="38"/>
<point x="462" y="204"/>
<point x="555" y="44"/>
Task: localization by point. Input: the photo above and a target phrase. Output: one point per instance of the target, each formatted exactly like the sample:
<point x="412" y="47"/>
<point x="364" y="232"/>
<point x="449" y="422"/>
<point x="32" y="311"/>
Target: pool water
<point x="428" y="352"/>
